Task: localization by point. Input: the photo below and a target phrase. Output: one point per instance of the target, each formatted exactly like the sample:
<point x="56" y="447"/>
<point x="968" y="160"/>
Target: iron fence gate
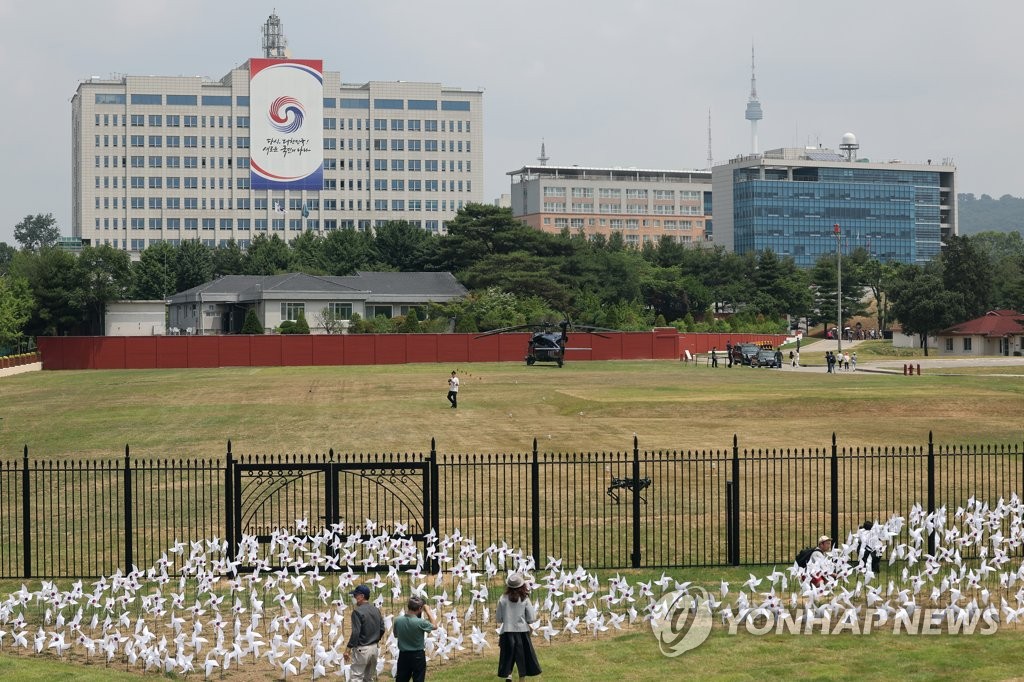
<point x="391" y="493"/>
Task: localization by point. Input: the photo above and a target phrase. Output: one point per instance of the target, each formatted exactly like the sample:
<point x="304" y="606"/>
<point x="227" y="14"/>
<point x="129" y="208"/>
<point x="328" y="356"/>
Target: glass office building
<point x="789" y="200"/>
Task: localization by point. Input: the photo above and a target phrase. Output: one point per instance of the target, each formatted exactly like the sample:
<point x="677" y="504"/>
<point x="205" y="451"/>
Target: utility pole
<point x="839" y="286"/>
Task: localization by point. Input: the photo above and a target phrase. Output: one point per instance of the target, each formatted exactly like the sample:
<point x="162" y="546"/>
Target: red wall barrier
<point x="147" y="352"/>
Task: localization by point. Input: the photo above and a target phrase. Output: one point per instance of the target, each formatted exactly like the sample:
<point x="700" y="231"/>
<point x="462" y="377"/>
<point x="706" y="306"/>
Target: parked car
<point x="764" y="358"/>
<point x="744" y="353"/>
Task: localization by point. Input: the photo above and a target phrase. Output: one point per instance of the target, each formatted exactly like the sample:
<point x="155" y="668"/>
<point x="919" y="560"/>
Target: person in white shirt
<point x="515" y="613"/>
<point x="453" y="390"/>
<point x="820" y="566"/>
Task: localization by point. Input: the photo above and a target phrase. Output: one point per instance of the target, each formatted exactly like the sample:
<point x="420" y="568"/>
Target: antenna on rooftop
<point x="711" y="161"/>
<point x="543" y="158"/>
<point x="275" y="45"/>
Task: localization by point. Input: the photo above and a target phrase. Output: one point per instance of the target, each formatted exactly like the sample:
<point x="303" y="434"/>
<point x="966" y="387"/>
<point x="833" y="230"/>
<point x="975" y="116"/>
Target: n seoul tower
<point x="754" y="113"/>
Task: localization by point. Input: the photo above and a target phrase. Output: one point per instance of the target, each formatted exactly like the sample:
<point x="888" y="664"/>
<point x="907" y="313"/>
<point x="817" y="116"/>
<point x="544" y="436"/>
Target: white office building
<point x="158" y="158"/>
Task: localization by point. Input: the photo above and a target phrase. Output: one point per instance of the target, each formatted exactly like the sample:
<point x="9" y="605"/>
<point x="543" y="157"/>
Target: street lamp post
<point x="839" y="287"/>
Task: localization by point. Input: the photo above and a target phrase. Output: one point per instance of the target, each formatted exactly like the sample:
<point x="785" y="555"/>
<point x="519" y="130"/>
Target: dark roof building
<point x="220" y="306"/>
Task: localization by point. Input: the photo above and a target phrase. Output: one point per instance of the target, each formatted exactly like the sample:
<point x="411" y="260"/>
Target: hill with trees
<point x="985" y="214"/>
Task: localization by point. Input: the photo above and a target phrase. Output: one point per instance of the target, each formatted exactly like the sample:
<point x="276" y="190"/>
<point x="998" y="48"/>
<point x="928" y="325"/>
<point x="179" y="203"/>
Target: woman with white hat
<point x="515" y="613"/>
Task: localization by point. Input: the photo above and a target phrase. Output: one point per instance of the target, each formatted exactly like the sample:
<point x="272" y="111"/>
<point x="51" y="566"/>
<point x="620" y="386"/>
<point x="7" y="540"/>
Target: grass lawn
<point x="634" y="657"/>
<point x="584" y="406"/>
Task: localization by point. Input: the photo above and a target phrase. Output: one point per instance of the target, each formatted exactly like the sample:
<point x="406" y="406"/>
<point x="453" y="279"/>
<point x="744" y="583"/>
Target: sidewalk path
<point x="21" y="369"/>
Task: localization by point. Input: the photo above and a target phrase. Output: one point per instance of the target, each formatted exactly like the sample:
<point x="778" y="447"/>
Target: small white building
<point x="220" y="306"/>
<point x="135" y="318"/>
<point x="997" y="332"/>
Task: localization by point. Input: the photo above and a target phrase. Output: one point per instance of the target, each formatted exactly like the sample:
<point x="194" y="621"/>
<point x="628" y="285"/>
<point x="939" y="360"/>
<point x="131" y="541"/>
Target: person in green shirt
<point x="409" y="629"/>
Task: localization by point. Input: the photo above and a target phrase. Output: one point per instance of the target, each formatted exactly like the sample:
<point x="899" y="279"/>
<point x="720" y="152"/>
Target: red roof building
<point x="997" y="332"/>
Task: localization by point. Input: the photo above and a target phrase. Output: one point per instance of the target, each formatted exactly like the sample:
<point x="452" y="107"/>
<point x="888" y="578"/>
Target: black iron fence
<point x="631" y="508"/>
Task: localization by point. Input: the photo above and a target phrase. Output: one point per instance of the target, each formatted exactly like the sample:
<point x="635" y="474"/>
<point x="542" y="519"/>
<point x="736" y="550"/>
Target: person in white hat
<point x="820" y="566"/>
<point x="515" y="613"/>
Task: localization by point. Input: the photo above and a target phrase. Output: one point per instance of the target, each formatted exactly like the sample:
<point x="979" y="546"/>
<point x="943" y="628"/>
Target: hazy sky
<point x="604" y="83"/>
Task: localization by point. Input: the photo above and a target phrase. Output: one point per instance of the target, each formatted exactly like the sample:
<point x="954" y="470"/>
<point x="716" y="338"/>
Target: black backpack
<point x="804" y="555"/>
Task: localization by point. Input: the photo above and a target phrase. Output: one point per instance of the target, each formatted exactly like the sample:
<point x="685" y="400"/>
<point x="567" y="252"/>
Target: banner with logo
<point x="286" y="111"/>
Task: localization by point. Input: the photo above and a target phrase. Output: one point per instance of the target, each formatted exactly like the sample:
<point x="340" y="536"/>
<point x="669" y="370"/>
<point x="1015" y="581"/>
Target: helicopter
<point x="547" y="340"/>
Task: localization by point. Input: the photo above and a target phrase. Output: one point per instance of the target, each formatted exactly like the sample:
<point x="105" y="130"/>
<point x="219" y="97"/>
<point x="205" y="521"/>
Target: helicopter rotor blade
<point x="504" y="329"/>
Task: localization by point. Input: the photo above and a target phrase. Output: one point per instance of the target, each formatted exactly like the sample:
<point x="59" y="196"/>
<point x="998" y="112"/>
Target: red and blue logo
<point x="286" y="114"/>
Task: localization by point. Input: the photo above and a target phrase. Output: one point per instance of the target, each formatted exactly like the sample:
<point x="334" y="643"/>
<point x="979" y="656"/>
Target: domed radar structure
<point x="850" y="146"/>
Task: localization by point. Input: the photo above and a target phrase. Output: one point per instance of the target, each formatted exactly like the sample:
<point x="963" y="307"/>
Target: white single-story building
<point x="997" y="332"/>
<point x="135" y="318"/>
<point x="220" y="306"/>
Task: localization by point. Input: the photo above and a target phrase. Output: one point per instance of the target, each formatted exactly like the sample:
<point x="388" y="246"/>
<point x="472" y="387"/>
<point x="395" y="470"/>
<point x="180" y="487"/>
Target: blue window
<point x="147" y="99"/>
<point x="347" y="103"/>
<point x="216" y="100"/>
<point x="454" y="105"/>
<point x="388" y="104"/>
<point x="181" y="100"/>
<point x="423" y="104"/>
<point x="242" y="100"/>
<point x="102" y="98"/>
<point x="330" y="103"/>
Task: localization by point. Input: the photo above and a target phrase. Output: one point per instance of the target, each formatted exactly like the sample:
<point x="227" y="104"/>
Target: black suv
<point x="764" y="358"/>
<point x="744" y="353"/>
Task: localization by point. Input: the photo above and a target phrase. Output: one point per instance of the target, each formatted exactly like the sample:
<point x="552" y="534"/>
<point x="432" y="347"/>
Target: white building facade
<point x="159" y="158"/>
<point x="641" y="205"/>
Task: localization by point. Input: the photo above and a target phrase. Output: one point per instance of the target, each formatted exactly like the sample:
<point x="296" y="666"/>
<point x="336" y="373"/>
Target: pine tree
<point x="301" y="326"/>
<point x="252" y="323"/>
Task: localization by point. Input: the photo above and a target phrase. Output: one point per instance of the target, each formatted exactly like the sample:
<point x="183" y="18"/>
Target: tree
<point x="402" y="246"/>
<point x="6" y="256"/>
<point x="228" y="259"/>
<point x="411" y="323"/>
<point x="154" y="274"/>
<point x="301" y="326"/>
<point x="823" y="276"/>
<point x="967" y="270"/>
<point x="329" y="320"/>
<point x="267" y="256"/>
<point x="922" y="304"/>
<point x="1005" y="253"/>
<point x="307" y="254"/>
<point x="37" y="231"/>
<point x="194" y="265"/>
<point x="874" y="274"/>
<point x="347" y="251"/>
<point x="53" y="280"/>
<point x="252" y="323"/>
<point x="15" y="308"/>
<point x="104" y="275"/>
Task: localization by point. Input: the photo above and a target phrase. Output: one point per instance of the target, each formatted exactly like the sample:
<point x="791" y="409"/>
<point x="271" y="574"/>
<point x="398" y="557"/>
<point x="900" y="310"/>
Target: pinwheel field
<point x="192" y="615"/>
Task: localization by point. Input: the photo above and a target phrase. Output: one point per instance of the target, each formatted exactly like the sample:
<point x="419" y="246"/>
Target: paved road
<point x="812" y="359"/>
